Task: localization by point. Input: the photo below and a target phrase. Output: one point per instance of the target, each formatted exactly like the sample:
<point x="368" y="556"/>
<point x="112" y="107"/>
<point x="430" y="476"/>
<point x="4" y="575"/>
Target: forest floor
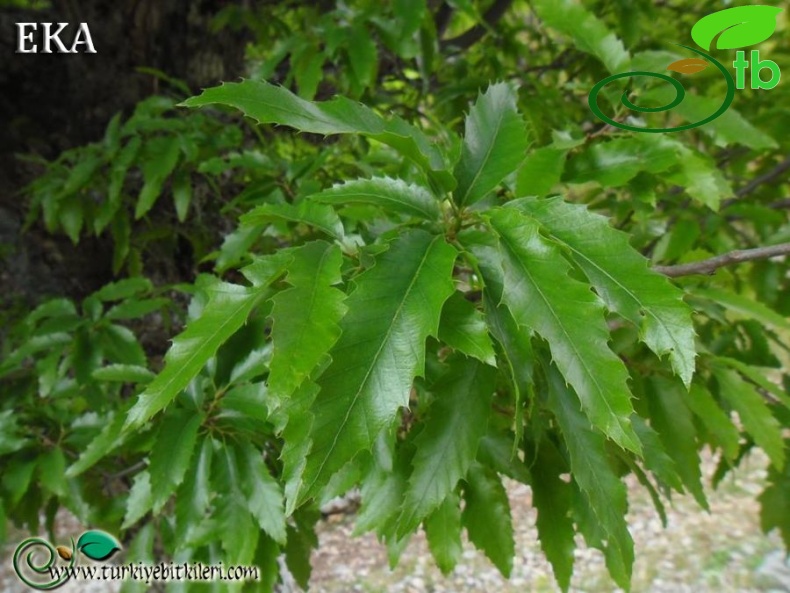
<point x="721" y="552"/>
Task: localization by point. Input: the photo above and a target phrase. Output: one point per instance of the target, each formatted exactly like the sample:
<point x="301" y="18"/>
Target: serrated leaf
<point x="702" y="178"/>
<point x="448" y="443"/>
<point x="71" y="217"/>
<point x="157" y="161"/>
<point x="543" y="297"/>
<point x="655" y="457"/>
<point x="463" y="328"/>
<point x="103" y="444"/>
<point x="134" y="309"/>
<point x="268" y="103"/>
<point x="263" y="493"/>
<point x="194" y="495"/>
<point x="486" y="517"/>
<point x="754" y="413"/>
<point x="588" y="33"/>
<point x="305" y="316"/>
<point x="306" y="212"/>
<point x="171" y="453"/>
<point x="395" y="307"/>
<point x="238" y="530"/>
<point x="621" y="277"/>
<point x="591" y="470"/>
<point x="443" y="532"/>
<point x="671" y="419"/>
<point x="701" y="402"/>
<point x="120" y="167"/>
<point x="495" y="144"/>
<point x="393" y="195"/>
<point x="551" y="496"/>
<point x="758" y="376"/>
<point x="617" y="161"/>
<point x="739" y="26"/>
<point x="228" y="307"/>
<point x="515" y="341"/>
<point x="97" y="545"/>
<point x="139" y="501"/>
<point x="749" y="308"/>
<point x="729" y="128"/>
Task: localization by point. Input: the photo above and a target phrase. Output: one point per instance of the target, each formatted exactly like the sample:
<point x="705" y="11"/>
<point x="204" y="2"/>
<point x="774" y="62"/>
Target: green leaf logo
<point x="739" y="27"/>
<point x="97" y="545"/>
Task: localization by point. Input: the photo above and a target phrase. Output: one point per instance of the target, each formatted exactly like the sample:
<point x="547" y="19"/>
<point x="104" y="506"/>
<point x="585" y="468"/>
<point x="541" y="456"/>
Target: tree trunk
<point x="51" y="102"/>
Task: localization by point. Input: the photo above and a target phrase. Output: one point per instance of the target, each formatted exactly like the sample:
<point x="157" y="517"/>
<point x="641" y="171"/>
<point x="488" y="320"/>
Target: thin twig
<point x="708" y="266"/>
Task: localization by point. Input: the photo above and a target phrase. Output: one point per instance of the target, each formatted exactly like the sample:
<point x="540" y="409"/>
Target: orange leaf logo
<point x="688" y="66"/>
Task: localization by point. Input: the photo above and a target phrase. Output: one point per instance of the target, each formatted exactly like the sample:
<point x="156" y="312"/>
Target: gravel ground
<point x="720" y="552"/>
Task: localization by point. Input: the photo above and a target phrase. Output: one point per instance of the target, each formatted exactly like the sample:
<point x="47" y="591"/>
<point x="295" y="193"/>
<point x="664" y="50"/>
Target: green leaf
<point x="463" y="328"/>
<point x="123" y="373"/>
<point x="51" y="470"/>
<point x="486" y="517"/>
<point x="543" y="297"/>
<point x="703" y="180"/>
<point x="749" y="308"/>
<point x="541" y="171"/>
<point x="443" y="532"/>
<point x="159" y="158"/>
<point x="306" y="212"/>
<point x="305" y="316"/>
<point x="363" y="57"/>
<point x="621" y="277"/>
<point x="591" y="470"/>
<point x="263" y="493"/>
<point x="11" y="439"/>
<point x="182" y="194"/>
<point x="754" y="413"/>
<point x="739" y="26"/>
<point x="775" y="503"/>
<point x="105" y="442"/>
<point x="656" y="458"/>
<point x="390" y="194"/>
<point x="758" y="376"/>
<point x="671" y="419"/>
<point x="139" y="501"/>
<point x="395" y="307"/>
<point x="97" y="545"/>
<point x="713" y="418"/>
<point x="495" y="144"/>
<point x="448" y="443"/>
<point x="123" y="289"/>
<point x="268" y="103"/>
<point x="194" y="495"/>
<point x="71" y="216"/>
<point x="729" y="128"/>
<point x="228" y="307"/>
<point x="238" y="531"/>
<point x="588" y="33"/>
<point x="118" y="171"/>
<point x="171" y="453"/>
<point x="616" y="162"/>
<point x="551" y="496"/>
<point x="120" y="345"/>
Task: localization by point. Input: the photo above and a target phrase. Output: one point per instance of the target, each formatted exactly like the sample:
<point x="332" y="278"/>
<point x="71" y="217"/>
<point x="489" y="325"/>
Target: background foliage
<point x="436" y="269"/>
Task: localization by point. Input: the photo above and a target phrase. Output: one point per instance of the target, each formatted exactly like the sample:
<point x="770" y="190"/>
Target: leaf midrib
<point x="373" y="364"/>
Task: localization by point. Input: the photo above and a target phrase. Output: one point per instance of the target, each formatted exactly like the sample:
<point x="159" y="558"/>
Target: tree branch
<point x="708" y="266"/>
<point x="774" y="173"/>
<point x="476" y="33"/>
